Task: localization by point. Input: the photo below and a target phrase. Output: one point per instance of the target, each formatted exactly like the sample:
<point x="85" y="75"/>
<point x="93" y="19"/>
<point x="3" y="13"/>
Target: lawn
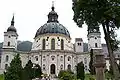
<point x="1" y="77"/>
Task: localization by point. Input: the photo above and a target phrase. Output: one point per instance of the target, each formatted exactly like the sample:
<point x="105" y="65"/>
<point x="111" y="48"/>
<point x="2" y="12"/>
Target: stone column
<point x="99" y="63"/>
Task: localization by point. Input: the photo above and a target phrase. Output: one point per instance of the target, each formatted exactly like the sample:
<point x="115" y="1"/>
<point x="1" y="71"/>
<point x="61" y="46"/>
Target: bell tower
<point x="94" y="38"/>
<point x="10" y="37"/>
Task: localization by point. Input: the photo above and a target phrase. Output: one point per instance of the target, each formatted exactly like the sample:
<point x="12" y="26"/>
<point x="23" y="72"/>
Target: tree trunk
<point x="111" y="55"/>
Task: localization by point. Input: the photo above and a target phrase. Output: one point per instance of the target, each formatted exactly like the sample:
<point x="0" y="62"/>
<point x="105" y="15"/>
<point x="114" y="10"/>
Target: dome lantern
<point x="52" y="16"/>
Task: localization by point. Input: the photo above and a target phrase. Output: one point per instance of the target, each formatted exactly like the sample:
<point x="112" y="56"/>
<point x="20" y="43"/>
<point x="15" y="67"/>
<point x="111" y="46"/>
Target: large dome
<point x="52" y="25"/>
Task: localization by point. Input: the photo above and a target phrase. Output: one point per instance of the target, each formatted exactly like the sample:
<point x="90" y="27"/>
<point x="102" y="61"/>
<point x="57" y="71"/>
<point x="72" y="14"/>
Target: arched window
<point x="79" y="44"/>
<point x="53" y="44"/>
<point x="61" y="58"/>
<point x="62" y="44"/>
<point x="44" y="58"/>
<point x="61" y="67"/>
<point x="85" y="60"/>
<point x="95" y="37"/>
<point x="52" y="57"/>
<point x="8" y="43"/>
<point x="7" y="58"/>
<point x="43" y="44"/>
<point x="86" y="67"/>
<point x="118" y="55"/>
<point x="69" y="58"/>
<point x="43" y="66"/>
<point x="69" y="67"/>
<point x="36" y="58"/>
<point x="6" y="66"/>
<point x="96" y="45"/>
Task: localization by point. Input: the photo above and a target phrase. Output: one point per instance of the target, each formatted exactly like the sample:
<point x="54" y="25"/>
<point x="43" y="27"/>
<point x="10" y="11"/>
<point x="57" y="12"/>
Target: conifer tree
<point x="80" y="71"/>
<point x="28" y="71"/>
<point x="38" y="71"/>
<point x="14" y="71"/>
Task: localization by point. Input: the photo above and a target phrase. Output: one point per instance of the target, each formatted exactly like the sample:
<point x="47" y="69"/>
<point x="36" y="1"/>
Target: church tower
<point x="10" y="37"/>
<point x="94" y="38"/>
<point x="78" y="45"/>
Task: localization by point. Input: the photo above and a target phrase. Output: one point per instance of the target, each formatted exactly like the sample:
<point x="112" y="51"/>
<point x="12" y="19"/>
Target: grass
<point x="1" y="77"/>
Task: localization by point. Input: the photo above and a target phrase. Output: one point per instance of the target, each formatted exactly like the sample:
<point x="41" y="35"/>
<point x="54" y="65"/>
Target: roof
<point x="78" y="39"/>
<point x="52" y="25"/>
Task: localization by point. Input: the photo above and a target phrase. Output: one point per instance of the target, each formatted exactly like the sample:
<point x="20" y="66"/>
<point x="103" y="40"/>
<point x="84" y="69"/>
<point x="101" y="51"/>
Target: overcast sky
<point x="32" y="14"/>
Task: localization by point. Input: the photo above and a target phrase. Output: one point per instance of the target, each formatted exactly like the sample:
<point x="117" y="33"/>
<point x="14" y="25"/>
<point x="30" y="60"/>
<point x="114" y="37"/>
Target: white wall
<point x="58" y="61"/>
<point x="92" y="40"/>
<point x="37" y="44"/>
<point x="79" y="48"/>
<point x="3" y="59"/>
<point x="12" y="39"/>
<point x="11" y="54"/>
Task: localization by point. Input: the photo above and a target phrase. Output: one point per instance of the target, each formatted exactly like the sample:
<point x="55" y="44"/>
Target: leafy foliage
<point x="80" y="71"/>
<point x="95" y="12"/>
<point x="66" y="75"/>
<point x="15" y="70"/>
<point x="92" y="68"/>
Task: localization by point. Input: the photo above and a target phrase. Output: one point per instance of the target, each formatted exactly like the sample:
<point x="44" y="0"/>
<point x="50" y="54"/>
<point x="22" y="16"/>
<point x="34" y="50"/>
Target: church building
<point x="52" y="48"/>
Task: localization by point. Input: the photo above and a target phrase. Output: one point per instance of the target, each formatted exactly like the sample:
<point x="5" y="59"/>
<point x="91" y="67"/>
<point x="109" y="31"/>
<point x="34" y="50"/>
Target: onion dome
<point x="52" y="25"/>
<point x="12" y="28"/>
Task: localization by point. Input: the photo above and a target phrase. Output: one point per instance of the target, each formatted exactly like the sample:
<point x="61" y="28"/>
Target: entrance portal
<point x="52" y="69"/>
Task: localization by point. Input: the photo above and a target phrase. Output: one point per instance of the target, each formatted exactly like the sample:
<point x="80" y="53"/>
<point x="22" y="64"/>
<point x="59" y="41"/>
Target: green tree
<point x="66" y="75"/>
<point x="38" y="71"/>
<point x="28" y="71"/>
<point x="100" y="12"/>
<point x="92" y="68"/>
<point x="80" y="71"/>
<point x="14" y="71"/>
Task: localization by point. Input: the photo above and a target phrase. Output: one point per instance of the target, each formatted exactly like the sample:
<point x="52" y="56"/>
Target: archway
<point x="69" y="67"/>
<point x="52" y="69"/>
<point x="53" y="44"/>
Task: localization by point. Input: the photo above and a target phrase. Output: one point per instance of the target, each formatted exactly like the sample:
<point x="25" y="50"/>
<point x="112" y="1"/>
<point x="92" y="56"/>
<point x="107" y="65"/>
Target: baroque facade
<point x="52" y="48"/>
